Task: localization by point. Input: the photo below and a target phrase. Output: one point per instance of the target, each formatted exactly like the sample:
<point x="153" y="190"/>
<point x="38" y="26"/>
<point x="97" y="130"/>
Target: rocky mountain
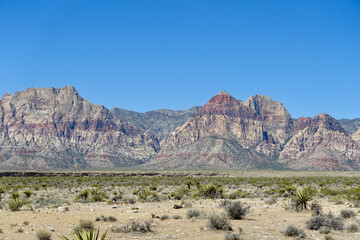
<point x="350" y="125"/>
<point x="48" y="128"/>
<point x="229" y="133"/>
<point x="356" y="135"/>
<point x="43" y="128"/>
<point x="320" y="144"/>
<point x="159" y="122"/>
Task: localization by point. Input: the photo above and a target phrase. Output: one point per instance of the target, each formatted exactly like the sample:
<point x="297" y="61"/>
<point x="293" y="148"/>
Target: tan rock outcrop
<point x="320" y="144"/>
<point x="56" y="128"/>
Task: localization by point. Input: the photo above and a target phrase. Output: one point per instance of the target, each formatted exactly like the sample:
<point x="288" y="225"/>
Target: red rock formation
<point x="56" y="128"/>
<point x="320" y="144"/>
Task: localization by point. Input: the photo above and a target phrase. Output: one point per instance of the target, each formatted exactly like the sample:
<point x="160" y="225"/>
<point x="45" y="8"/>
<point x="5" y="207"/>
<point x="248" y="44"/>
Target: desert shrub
<point x="210" y="191"/>
<point x="86" y="225"/>
<point x="191" y="213"/>
<point x="302" y="198"/>
<point x="15" y="205"/>
<point x="164" y="217"/>
<point x="27" y="193"/>
<point x="106" y="219"/>
<point x="92" y="234"/>
<point x="330" y="221"/>
<point x="133" y="227"/>
<point x="337" y="223"/>
<point x="97" y="195"/>
<point x="26" y="223"/>
<point x="1" y="230"/>
<point x="2" y="191"/>
<point x="347" y="213"/>
<point x="232" y="236"/>
<point x="43" y="235"/>
<point x="292" y="231"/>
<point x="176" y="217"/>
<point x="352" y="227"/>
<point x="219" y="222"/>
<point x="84" y="195"/>
<point x="324" y="230"/>
<point x="316" y="208"/>
<point x="236" y="210"/>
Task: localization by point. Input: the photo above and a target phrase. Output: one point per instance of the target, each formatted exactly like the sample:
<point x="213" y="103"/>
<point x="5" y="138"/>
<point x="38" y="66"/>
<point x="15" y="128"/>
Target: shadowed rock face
<point x="159" y="122"/>
<point x="56" y="128"/>
<point x="350" y="125"/>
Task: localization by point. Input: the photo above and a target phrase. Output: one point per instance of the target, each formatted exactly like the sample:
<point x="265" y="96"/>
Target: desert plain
<point x="180" y="204"/>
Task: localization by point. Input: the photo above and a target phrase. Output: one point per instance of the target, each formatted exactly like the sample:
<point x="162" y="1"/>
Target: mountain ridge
<point x="49" y="128"/>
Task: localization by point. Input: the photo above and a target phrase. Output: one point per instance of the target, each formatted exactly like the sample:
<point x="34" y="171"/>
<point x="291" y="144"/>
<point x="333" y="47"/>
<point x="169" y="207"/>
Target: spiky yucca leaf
<point x="90" y="235"/>
<point x="303" y="197"/>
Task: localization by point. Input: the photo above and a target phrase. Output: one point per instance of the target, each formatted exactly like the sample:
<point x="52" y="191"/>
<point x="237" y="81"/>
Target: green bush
<point x="97" y="195"/>
<point x="210" y="191"/>
<point x="15" y="205"/>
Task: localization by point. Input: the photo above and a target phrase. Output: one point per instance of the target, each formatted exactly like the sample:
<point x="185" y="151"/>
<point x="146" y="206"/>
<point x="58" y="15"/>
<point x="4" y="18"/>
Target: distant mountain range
<point x="48" y="128"/>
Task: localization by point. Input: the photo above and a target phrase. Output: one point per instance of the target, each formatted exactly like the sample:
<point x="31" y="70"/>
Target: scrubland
<point x="181" y="205"/>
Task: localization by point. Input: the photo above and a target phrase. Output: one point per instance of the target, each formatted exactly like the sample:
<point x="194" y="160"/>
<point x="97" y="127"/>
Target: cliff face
<point x="224" y="133"/>
<point x="56" y="128"/>
<point x="275" y="117"/>
<point x="228" y="133"/>
<point x="320" y="144"/>
<point x="48" y="128"/>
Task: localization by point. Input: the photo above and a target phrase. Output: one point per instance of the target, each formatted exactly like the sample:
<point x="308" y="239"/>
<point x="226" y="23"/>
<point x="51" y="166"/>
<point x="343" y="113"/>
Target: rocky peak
<point x="277" y="120"/>
<point x="223" y="92"/>
<point x="321" y="120"/>
<point x="225" y="104"/>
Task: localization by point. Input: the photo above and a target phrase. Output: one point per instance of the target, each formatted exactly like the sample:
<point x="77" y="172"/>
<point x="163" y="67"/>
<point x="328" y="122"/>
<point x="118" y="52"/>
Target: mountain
<point x="350" y="125"/>
<point x="227" y="133"/>
<point x="45" y="128"/>
<point x="320" y="144"/>
<point x="230" y="133"/>
<point x="159" y="122"/>
<point x="49" y="128"/>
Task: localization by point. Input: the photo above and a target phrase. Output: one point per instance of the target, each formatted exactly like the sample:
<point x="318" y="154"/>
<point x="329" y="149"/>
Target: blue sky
<point x="146" y="55"/>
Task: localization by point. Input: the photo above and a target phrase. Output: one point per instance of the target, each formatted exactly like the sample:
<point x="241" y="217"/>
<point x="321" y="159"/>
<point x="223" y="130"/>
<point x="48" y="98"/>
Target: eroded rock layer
<point x="50" y="128"/>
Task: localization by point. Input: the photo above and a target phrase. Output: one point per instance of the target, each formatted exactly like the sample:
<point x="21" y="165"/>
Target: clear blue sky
<point x="145" y="55"/>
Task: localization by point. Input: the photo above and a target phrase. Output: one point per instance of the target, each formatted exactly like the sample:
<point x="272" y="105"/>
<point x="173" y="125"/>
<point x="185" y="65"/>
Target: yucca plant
<point x="303" y="197"/>
<point x="92" y="234"/>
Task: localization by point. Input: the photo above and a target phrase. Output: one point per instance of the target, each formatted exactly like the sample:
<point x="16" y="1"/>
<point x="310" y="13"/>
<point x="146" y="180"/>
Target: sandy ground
<point x="263" y="222"/>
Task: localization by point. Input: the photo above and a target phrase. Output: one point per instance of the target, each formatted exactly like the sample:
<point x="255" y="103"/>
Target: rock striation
<point x="229" y="133"/>
<point x="47" y="128"/>
<point x="320" y="144"/>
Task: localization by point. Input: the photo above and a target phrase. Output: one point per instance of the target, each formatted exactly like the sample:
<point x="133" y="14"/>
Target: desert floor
<point x="266" y="219"/>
